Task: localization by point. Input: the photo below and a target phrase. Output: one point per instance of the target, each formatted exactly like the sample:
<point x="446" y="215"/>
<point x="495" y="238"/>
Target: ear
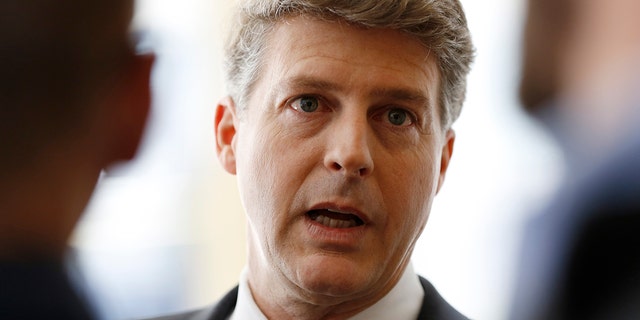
<point x="132" y="104"/>
<point x="447" y="151"/>
<point x="226" y="122"/>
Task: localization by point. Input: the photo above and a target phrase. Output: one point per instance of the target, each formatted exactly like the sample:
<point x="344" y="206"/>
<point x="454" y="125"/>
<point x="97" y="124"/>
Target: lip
<point x="347" y="209"/>
<point x="337" y="239"/>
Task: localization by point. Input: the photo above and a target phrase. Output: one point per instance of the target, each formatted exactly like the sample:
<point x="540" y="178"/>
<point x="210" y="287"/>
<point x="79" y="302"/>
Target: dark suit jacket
<point x="434" y="307"/>
<point x="39" y="290"/>
<point x="593" y="227"/>
<point x="601" y="277"/>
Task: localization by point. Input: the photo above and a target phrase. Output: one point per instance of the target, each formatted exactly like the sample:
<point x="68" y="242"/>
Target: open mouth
<point x="335" y="219"/>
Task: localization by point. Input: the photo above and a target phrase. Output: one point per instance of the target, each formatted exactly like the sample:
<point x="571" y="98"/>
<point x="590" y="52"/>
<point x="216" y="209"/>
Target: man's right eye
<point x="306" y="104"/>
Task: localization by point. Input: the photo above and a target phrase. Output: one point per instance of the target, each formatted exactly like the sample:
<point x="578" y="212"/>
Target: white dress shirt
<point x="402" y="302"/>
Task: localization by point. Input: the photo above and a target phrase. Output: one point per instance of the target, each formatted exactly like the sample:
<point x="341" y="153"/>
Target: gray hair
<point x="439" y="24"/>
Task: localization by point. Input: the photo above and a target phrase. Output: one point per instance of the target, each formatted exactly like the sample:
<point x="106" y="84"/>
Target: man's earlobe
<point x="225" y="130"/>
<point x="445" y="159"/>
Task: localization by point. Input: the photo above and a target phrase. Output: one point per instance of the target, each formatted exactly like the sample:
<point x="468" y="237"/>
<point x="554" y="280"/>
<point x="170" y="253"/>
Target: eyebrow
<point x="397" y="94"/>
<point x="402" y="94"/>
<point x="313" y="83"/>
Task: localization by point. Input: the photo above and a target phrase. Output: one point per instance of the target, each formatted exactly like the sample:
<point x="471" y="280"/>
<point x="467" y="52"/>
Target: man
<point x="338" y="126"/>
<point x="581" y="76"/>
<point x="73" y="99"/>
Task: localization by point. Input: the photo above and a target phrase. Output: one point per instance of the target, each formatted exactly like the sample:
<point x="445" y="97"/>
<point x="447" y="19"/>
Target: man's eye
<point x="306" y="104"/>
<point x="399" y="117"/>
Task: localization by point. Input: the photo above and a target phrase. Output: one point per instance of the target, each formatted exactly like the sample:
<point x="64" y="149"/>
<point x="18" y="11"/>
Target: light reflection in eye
<point x="306" y="104"/>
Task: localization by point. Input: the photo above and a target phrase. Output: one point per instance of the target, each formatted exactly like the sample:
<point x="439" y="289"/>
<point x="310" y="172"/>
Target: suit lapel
<point x="224" y="308"/>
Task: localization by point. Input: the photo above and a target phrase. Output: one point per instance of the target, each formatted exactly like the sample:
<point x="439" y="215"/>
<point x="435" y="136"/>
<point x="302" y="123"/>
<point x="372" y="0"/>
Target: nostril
<point x="356" y="172"/>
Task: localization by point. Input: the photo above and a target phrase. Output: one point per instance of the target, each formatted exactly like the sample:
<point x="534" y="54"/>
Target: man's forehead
<point x="298" y="45"/>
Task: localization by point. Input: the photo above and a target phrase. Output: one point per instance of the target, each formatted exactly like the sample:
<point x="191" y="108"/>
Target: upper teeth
<point x="336" y="211"/>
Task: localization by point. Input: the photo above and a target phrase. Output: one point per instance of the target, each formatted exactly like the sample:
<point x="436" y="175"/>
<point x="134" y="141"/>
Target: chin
<point x="334" y="277"/>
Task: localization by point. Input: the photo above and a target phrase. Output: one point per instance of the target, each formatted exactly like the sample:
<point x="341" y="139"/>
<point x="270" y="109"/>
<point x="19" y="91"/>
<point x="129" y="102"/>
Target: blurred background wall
<point x="166" y="233"/>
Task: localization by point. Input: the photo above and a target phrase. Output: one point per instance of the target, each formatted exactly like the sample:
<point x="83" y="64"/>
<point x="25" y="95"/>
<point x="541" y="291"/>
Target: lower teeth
<point x="335" y="223"/>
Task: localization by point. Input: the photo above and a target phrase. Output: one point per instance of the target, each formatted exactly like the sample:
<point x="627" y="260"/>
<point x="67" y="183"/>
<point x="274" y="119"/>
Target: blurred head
<point x="58" y="57"/>
<point x="439" y="25"/>
<point x="585" y="53"/>
<point x="581" y="71"/>
<point x="546" y="31"/>
<point x="73" y="100"/>
<point x="340" y="141"/>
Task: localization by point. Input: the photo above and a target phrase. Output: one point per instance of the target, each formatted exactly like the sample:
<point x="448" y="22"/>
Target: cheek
<point x="255" y="171"/>
<point x="268" y="172"/>
<point x="410" y="187"/>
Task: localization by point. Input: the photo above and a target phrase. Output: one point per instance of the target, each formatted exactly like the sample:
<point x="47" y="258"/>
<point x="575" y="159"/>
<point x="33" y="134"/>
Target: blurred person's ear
<point x="445" y="157"/>
<point x="225" y="129"/>
<point x="130" y="100"/>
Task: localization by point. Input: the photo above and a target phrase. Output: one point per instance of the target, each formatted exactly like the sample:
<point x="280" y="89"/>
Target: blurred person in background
<point x="74" y="98"/>
<point x="581" y="78"/>
<point x="338" y="127"/>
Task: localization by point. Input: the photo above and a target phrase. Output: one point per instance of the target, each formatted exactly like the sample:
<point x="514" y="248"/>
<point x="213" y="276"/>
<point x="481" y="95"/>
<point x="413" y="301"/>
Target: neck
<point x="38" y="211"/>
<point x="32" y="226"/>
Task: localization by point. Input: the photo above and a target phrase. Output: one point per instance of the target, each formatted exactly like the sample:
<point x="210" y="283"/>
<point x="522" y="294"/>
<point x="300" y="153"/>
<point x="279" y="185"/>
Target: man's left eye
<point x="306" y="104"/>
<point x="399" y="117"/>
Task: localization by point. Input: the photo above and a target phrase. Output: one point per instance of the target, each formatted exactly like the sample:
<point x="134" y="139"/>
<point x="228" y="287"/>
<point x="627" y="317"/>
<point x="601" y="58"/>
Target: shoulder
<point x="581" y="254"/>
<point x="603" y="265"/>
<point x="39" y="290"/>
<point x="434" y="306"/>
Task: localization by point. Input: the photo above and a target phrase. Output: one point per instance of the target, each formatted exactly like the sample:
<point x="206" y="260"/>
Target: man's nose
<point x="348" y="148"/>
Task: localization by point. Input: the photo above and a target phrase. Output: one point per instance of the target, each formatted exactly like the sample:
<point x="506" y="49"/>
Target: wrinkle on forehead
<point x="325" y="33"/>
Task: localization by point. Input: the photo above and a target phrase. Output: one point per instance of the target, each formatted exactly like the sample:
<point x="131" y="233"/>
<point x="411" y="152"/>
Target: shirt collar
<point x="402" y="302"/>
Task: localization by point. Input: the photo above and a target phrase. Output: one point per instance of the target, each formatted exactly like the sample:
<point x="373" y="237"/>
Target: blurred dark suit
<point x="39" y="291"/>
<point x="581" y="257"/>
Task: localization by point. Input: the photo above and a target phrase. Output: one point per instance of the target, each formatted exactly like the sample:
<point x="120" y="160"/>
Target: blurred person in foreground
<point x="581" y="77"/>
<point x="338" y="127"/>
<point x="74" y="98"/>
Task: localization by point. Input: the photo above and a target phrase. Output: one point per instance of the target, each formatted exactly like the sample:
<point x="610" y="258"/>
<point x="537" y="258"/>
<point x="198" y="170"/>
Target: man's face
<point x="338" y="154"/>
